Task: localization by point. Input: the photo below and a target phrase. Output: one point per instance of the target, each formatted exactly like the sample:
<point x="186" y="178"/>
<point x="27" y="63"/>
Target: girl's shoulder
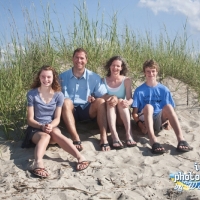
<point x="33" y="92"/>
<point x="59" y="94"/>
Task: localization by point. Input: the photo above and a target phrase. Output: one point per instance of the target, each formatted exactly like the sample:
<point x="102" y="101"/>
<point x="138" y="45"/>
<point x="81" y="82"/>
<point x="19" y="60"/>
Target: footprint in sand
<point x="193" y="124"/>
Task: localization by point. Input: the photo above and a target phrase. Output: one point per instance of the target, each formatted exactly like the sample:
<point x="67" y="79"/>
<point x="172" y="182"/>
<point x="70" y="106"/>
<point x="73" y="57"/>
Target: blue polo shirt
<point x="78" y="89"/>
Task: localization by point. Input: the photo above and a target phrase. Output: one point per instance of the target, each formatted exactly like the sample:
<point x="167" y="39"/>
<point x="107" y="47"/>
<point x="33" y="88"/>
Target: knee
<point x="168" y="109"/>
<point x="45" y="137"/>
<point x="148" y="108"/>
<point x="100" y="101"/>
<point x="119" y="105"/>
<point x="55" y="133"/>
<point x="67" y="105"/>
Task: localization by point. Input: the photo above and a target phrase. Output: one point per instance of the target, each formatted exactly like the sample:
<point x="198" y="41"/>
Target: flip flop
<point x="185" y="144"/>
<point x="78" y="143"/>
<point x="104" y="145"/>
<point x="155" y="148"/>
<point x="117" y="147"/>
<point x="87" y="163"/>
<point x="37" y="170"/>
<point x="130" y="145"/>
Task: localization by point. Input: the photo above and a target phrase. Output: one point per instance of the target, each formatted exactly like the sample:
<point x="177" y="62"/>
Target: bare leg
<point x="41" y="140"/>
<point x="67" y="145"/>
<point x="168" y="112"/>
<point x="98" y="109"/>
<point x="125" y="117"/>
<point x="68" y="118"/>
<point x="148" y="118"/>
<point x="112" y="116"/>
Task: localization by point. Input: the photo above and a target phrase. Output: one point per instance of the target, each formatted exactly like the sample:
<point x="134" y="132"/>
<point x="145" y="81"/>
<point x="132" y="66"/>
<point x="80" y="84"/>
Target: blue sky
<point x="143" y="15"/>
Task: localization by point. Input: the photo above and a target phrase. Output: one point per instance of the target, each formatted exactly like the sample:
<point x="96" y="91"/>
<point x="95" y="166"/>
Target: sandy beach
<point x="130" y="173"/>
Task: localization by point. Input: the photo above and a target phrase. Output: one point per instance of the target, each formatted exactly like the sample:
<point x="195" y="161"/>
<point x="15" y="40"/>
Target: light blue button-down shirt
<point x="78" y="89"/>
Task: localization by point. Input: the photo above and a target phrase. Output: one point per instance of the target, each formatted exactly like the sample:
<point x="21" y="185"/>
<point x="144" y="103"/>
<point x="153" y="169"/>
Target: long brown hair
<point x="109" y="63"/>
<point x="55" y="84"/>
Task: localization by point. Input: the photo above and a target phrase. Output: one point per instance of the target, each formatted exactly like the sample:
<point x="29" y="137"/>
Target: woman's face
<point x="116" y="67"/>
<point x="46" y="78"/>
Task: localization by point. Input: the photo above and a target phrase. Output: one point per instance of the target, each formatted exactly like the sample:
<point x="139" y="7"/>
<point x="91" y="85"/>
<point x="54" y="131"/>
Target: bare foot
<point x="82" y="165"/>
<point x="105" y="147"/>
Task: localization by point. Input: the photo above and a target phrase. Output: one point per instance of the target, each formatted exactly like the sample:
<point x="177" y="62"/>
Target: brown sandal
<point x="87" y="163"/>
<point x="38" y="172"/>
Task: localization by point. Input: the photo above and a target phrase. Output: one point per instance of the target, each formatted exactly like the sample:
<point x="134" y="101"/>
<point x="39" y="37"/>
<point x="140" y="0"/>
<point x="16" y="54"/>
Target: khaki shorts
<point x="157" y="120"/>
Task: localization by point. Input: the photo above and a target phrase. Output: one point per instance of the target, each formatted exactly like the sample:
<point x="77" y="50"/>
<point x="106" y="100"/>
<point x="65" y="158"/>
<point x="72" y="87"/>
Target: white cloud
<point x="189" y="8"/>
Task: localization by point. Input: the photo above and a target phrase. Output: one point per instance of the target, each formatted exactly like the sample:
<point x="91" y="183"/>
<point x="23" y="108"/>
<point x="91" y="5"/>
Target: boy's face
<point x="150" y="73"/>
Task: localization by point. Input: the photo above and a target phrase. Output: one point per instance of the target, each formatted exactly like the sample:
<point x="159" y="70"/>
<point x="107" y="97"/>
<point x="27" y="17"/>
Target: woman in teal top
<point x="119" y="85"/>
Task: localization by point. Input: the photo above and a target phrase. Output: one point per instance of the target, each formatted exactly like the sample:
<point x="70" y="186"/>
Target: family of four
<point x="79" y="94"/>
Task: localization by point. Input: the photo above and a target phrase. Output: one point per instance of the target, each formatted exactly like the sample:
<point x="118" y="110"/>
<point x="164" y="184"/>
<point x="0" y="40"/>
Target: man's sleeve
<point x="100" y="88"/>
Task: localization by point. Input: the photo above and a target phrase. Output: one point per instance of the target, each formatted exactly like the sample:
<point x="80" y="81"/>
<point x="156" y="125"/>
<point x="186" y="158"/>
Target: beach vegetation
<point x="45" y="44"/>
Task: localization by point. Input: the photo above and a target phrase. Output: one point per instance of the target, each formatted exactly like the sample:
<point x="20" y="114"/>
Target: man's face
<point x="150" y="73"/>
<point x="79" y="60"/>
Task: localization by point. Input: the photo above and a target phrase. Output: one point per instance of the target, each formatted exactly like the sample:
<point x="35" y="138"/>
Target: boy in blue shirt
<point x="153" y="108"/>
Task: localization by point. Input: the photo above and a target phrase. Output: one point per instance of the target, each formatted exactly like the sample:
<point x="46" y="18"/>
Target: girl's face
<point x="116" y="67"/>
<point x="46" y="78"/>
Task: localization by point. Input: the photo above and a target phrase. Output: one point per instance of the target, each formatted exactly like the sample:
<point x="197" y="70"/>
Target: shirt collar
<point x="72" y="75"/>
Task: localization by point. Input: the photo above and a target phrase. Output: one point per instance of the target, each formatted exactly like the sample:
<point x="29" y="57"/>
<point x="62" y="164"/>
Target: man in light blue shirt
<point x="85" y="97"/>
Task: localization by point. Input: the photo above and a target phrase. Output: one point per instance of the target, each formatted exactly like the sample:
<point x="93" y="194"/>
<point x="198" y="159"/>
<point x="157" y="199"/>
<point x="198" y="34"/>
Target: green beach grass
<point x="45" y="45"/>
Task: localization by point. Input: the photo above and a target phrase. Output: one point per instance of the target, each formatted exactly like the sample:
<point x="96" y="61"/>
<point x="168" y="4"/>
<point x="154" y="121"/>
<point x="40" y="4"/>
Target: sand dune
<point x="130" y="173"/>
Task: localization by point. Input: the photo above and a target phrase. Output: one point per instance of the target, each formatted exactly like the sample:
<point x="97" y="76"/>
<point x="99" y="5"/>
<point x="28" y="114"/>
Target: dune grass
<point x="42" y="44"/>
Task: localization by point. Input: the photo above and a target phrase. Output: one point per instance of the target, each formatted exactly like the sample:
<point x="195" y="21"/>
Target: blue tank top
<point x="119" y="91"/>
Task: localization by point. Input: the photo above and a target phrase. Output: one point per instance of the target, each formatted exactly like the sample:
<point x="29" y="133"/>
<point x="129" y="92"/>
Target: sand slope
<point x="130" y="173"/>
